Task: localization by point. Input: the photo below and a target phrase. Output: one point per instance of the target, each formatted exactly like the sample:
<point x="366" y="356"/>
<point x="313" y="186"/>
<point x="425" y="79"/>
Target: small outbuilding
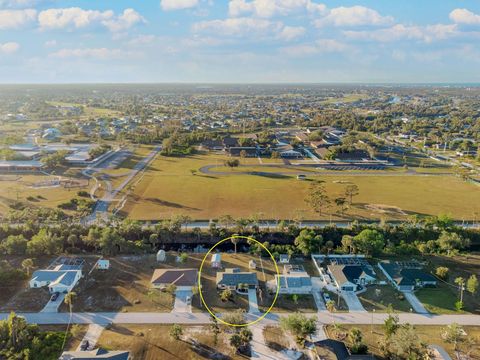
<point x="161" y="255"/>
<point x="216" y="261"/>
<point x="103" y="264"/>
<point x="284" y="259"/>
<point x="252" y="265"/>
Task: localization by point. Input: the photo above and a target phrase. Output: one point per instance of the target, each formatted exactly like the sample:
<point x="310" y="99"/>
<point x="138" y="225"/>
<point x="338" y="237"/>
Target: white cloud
<point x="71" y="17"/>
<point x="464" y="16"/>
<point x="9" y="48"/>
<point x="76" y="18"/>
<point x="50" y="43"/>
<point x="289" y="33"/>
<point x="125" y="21"/>
<point x="13" y="19"/>
<point x="270" y="8"/>
<point x="169" y="5"/>
<point x="95" y="53"/>
<point x="17" y="3"/>
<point x="353" y="16"/>
<point x="321" y="46"/>
<point x="397" y="32"/>
<point x="239" y="26"/>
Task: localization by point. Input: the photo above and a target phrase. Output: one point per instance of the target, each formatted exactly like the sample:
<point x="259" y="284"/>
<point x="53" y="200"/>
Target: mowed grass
<point x="169" y="188"/>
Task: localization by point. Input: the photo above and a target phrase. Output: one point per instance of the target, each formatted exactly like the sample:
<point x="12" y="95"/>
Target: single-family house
<point x="62" y="278"/>
<point x="95" y="354"/>
<point x="183" y="279"/>
<point x="407" y="277"/>
<point x="350" y="277"/>
<point x="294" y="280"/>
<point x="234" y="278"/>
<point x="216" y="261"/>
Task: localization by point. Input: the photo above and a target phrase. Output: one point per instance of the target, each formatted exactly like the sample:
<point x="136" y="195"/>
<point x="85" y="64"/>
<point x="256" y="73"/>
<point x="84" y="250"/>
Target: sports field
<point x="176" y="186"/>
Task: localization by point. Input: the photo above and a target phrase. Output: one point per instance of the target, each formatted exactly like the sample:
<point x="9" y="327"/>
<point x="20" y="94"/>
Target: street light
<point x="371" y="327"/>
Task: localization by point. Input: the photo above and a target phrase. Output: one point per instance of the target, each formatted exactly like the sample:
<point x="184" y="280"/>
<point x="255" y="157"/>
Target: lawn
<point x="440" y="300"/>
<point x="379" y="298"/>
<point x="429" y="334"/>
<point x="151" y="342"/>
<point x="276" y="338"/>
<point x="169" y="188"/>
<point x="288" y="303"/>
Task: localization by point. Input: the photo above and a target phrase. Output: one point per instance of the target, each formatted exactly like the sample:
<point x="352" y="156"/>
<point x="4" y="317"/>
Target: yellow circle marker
<point x="200" y="285"/>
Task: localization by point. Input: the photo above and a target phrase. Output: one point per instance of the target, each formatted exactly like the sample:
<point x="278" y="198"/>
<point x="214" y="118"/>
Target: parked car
<point x="54" y="296"/>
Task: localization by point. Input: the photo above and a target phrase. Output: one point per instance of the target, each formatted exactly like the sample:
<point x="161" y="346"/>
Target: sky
<point x="240" y="41"/>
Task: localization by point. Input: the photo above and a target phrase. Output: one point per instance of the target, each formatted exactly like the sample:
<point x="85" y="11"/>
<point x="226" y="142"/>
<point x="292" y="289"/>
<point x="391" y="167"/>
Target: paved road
<point x="416" y="304"/>
<point x="324" y="317"/>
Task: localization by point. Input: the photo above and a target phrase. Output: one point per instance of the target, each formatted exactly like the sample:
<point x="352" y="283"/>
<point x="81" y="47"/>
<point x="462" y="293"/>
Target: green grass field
<point x="168" y="188"/>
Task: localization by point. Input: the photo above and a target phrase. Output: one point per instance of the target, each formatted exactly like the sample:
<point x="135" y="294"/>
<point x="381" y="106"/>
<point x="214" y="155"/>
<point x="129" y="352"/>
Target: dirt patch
<point x="385" y="209"/>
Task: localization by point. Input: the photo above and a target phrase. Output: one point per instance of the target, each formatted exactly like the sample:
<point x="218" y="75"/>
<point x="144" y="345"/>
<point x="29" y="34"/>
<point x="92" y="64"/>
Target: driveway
<point x="181" y="304"/>
<point x="252" y="301"/>
<point x="92" y="335"/>
<point x="317" y="285"/>
<point x="417" y="306"/>
<point x="52" y="306"/>
<point x="352" y="301"/>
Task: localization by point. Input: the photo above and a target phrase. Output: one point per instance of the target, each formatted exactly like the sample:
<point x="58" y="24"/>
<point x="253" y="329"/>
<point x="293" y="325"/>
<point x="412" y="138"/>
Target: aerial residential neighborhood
<point x="239" y="179"/>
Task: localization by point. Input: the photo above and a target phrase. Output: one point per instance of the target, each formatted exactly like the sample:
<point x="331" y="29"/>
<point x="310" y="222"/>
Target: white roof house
<point x="216" y="261"/>
<point x="62" y="278"/>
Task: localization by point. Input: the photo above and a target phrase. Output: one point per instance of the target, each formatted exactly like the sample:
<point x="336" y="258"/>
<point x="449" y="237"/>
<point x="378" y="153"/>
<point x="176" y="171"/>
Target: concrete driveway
<point x="252" y="301"/>
<point x="181" y="304"/>
<point x="52" y="306"/>
<point x="417" y="306"/>
<point x="92" y="335"/>
<point x="352" y="301"/>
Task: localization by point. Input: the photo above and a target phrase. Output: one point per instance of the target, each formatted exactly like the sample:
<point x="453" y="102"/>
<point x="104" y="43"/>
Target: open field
<point x="124" y="287"/>
<point x="88" y="111"/>
<point x="431" y="335"/>
<point x="168" y="188"/>
<point x="153" y="342"/>
<point x="20" y="188"/>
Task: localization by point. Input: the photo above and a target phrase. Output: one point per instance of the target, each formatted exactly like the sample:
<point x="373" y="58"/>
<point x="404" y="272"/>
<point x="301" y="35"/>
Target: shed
<point x="216" y="261"/>
<point x="252" y="264"/>
<point x="161" y="255"/>
<point x="103" y="264"/>
<point x="284" y="259"/>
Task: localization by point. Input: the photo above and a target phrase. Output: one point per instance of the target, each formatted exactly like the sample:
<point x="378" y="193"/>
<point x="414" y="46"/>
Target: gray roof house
<point x="406" y="278"/>
<point x="349" y="277"/>
<point x="232" y="278"/>
<point x="95" y="354"/>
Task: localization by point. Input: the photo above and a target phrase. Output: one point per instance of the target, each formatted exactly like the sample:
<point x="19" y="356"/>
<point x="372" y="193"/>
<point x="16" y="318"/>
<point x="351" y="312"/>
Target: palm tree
<point x="27" y="265"/>
<point x="331" y="307"/>
<point x="69" y="297"/>
<point x="234" y="241"/>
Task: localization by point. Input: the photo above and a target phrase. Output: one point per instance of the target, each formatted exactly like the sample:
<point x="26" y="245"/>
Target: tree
<point x="68" y="300"/>
<point x="308" y="241"/>
<point x="183" y="257"/>
<point x="72" y="240"/>
<point x="27" y="265"/>
<point x="235" y="341"/>
<point x="176" y="332"/>
<point x="317" y="198"/>
<point x="404" y="344"/>
<point x="347" y="244"/>
<point x="442" y="272"/>
<point x="215" y="330"/>
<point x="472" y="284"/>
<point x="44" y="242"/>
<point x="453" y="334"/>
<point x="226" y="295"/>
<point x="391" y="324"/>
<point x="110" y="241"/>
<point x="299" y="326"/>
<point x="356" y="342"/>
<point x="450" y="241"/>
<point x="370" y="242"/>
<point x="243" y="154"/>
<point x="234" y="241"/>
<point x="351" y="191"/>
<point x="15" y="245"/>
<point x="461" y="286"/>
<point x="342" y="205"/>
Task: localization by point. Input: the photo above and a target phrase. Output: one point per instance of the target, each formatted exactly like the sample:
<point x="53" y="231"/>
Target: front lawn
<point x="379" y="298"/>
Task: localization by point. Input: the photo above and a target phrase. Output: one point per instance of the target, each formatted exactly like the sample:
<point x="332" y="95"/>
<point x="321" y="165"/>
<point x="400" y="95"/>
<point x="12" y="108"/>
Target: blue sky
<point x="43" y="41"/>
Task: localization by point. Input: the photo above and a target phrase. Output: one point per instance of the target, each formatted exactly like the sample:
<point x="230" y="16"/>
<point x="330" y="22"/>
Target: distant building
<point x="103" y="264"/>
<point x="294" y="280"/>
<point x="51" y="134"/>
<point x="250" y="151"/>
<point x="284" y="259"/>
